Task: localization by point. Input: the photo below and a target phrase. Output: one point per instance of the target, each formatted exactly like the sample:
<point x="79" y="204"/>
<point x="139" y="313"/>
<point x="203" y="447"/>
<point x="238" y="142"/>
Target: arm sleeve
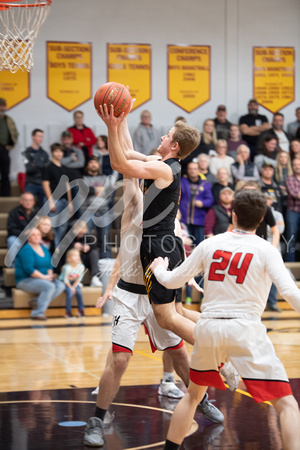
<point x="282" y="279"/>
<point x="238" y="173"/>
<point x="176" y="278"/>
<point x="207" y="197"/>
<point x="210" y="221"/>
<point x="27" y="260"/>
<point x="291" y="187"/>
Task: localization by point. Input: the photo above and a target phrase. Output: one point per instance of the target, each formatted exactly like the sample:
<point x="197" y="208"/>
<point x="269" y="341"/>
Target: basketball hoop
<point x="22" y="22"/>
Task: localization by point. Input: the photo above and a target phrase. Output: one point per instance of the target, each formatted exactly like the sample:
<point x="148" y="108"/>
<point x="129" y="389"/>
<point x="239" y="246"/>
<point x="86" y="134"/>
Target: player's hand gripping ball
<point x="113" y="94"/>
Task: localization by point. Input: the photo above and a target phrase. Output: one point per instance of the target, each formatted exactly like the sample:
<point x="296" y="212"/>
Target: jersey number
<point x="236" y="268"/>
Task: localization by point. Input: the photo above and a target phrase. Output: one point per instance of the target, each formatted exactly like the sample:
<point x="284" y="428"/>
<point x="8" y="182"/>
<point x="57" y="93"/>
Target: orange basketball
<point x="113" y="94"/>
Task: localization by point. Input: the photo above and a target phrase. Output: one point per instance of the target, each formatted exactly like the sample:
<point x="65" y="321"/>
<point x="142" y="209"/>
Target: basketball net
<point x="22" y="22"/>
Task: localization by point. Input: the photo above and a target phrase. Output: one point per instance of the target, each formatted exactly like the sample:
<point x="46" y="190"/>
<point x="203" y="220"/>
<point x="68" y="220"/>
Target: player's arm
<point x="176" y="278"/>
<point x="275" y="235"/>
<point x="114" y="276"/>
<point x="281" y="278"/>
<point x="153" y="170"/>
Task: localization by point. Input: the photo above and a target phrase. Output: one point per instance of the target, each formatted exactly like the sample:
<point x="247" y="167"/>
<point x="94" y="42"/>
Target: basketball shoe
<point x="168" y="388"/>
<point x="93" y="433"/>
<point x="209" y="410"/>
<point x="231" y="376"/>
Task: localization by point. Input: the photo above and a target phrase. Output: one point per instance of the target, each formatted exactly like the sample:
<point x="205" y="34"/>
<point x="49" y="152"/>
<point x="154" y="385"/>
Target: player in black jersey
<point x="162" y="196"/>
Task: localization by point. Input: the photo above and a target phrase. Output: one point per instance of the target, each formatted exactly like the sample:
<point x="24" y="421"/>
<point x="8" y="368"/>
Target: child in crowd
<point x="72" y="275"/>
<point x="45" y="228"/>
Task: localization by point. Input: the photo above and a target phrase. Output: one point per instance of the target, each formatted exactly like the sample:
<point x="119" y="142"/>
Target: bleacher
<point x="20" y="299"/>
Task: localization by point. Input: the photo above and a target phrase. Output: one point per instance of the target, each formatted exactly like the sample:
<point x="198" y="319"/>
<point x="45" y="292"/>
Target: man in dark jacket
<point x="8" y="138"/>
<point x="20" y="217"/>
<point x="36" y="159"/>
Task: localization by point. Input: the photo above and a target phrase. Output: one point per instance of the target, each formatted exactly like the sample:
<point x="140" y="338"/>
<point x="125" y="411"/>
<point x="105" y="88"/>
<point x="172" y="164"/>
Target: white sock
<point x="167" y="375"/>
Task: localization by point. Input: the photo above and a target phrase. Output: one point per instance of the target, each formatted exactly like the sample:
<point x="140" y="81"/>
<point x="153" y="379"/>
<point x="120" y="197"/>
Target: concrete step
<point x="89" y="294"/>
<point x="8" y="203"/>
<point x="3" y="236"/>
<point x="3" y="220"/>
<point x="15" y="190"/>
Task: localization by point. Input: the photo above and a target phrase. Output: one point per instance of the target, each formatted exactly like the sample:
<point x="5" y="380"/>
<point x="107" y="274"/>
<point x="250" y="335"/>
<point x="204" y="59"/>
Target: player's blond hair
<point x="187" y="137"/>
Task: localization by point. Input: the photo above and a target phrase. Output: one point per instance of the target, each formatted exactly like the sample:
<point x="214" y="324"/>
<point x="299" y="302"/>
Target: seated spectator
<point x="34" y="274"/>
<point x="277" y="131"/>
<point x="268" y="152"/>
<point x="222" y="181"/>
<point x="96" y="205"/>
<point x="293" y="211"/>
<point x="269" y="185"/>
<point x="234" y="141"/>
<point x="207" y="144"/>
<point x="86" y="244"/>
<point x="294" y="149"/>
<point x="282" y="171"/>
<point x="101" y="152"/>
<point x="71" y="276"/>
<point x="293" y="126"/>
<point x="196" y="199"/>
<point x="45" y="227"/>
<point x="8" y="139"/>
<point x="221" y="160"/>
<point x="145" y="136"/>
<point x="83" y="137"/>
<point x="218" y="217"/>
<point x="36" y="159"/>
<point x="17" y="221"/>
<point x="203" y="162"/>
<point x="180" y="118"/>
<point x="243" y="168"/>
<point x="57" y="192"/>
<point x="222" y="125"/>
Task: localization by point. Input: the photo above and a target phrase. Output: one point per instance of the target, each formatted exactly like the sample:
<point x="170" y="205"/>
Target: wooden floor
<point x="48" y="370"/>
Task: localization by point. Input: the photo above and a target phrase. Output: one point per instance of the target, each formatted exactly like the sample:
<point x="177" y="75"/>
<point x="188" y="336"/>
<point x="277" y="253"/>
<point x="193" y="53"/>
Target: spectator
<point x="293" y="210"/>
<point x="283" y="139"/>
<point x="295" y="148"/>
<point x="207" y="144"/>
<point x="222" y="181"/>
<point x="18" y="219"/>
<point x="196" y="199"/>
<point x="221" y="160"/>
<point x="85" y="243"/>
<point x="57" y="192"/>
<point x="45" y="227"/>
<point x="293" y="126"/>
<point x="101" y="188"/>
<point x="234" y="141"/>
<point x="71" y="276"/>
<point x="180" y="118"/>
<point x="73" y="160"/>
<point x="203" y="162"/>
<point x="222" y="125"/>
<point x="282" y="171"/>
<point x="252" y="125"/>
<point x="83" y="137"/>
<point x="268" y="152"/>
<point x="243" y="168"/>
<point x="8" y="139"/>
<point x="269" y="185"/>
<point x="34" y="274"/>
<point x="101" y="152"/>
<point x="36" y="159"/>
<point x="218" y="217"/>
<point x="145" y="136"/>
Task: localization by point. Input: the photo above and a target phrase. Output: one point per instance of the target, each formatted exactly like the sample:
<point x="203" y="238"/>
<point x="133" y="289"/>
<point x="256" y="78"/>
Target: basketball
<point x="113" y="94"/>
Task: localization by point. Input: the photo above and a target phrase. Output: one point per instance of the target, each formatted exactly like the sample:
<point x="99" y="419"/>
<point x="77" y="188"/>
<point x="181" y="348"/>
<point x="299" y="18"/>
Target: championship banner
<point x="69" y="73"/>
<point x="130" y="64"/>
<point x="273" y="76"/>
<point x="14" y="87"/>
<point x="188" y="75"/>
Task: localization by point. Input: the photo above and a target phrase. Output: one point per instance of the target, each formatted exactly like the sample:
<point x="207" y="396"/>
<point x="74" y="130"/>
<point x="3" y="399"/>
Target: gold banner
<point x="188" y="75"/>
<point x="130" y="64"/>
<point x="69" y="73"/>
<point x="14" y="87"/>
<point x="273" y="76"/>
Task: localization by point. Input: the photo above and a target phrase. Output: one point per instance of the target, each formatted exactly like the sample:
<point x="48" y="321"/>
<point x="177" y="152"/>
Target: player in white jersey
<point x="239" y="268"/>
<point x="131" y="310"/>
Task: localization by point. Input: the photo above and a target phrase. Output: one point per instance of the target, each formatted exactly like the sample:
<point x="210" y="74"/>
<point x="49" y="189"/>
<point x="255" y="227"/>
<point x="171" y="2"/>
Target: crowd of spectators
<point x="76" y="182"/>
